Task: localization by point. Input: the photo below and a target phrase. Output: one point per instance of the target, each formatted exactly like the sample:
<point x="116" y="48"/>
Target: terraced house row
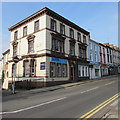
<point x="53" y="50"/>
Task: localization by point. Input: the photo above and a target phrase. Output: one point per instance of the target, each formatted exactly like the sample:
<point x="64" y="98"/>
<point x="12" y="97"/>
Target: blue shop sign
<point x="42" y="66"/>
<point x="58" y="60"/>
<point x="94" y="63"/>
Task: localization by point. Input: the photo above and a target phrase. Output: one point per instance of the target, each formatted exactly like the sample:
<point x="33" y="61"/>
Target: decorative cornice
<point x="14" y="43"/>
<point x="30" y="37"/>
<point x="72" y="40"/>
<point x="35" y="15"/>
<point x="58" y="35"/>
<point x="52" y="14"/>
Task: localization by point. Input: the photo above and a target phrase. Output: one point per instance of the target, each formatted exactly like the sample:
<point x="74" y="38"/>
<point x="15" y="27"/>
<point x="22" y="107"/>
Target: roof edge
<point x="48" y="12"/>
<point x="6" y="51"/>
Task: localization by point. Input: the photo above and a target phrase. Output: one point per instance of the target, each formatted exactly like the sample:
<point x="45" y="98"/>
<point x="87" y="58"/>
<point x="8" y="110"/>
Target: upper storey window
<point x="72" y="49"/>
<point x="15" y="35"/>
<point x="84" y="39"/>
<point x="78" y="36"/>
<point x="71" y="33"/>
<point x="82" y="52"/>
<point x="62" y="28"/>
<point x="57" y="45"/>
<point x="14" y="50"/>
<point x="31" y="43"/>
<point x="30" y="46"/>
<point x="25" y="31"/>
<point x="53" y="25"/>
<point x="36" y="26"/>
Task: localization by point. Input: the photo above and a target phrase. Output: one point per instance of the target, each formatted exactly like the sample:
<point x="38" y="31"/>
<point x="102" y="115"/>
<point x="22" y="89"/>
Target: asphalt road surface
<point x="72" y="102"/>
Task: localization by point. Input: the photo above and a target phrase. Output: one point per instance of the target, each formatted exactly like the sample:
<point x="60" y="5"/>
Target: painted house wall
<point x="42" y="46"/>
<point x="93" y="52"/>
<point x="67" y="42"/>
<point x="94" y="68"/>
<point x="40" y="43"/>
<point x="22" y="47"/>
<point x="67" y="35"/>
<point x="103" y="60"/>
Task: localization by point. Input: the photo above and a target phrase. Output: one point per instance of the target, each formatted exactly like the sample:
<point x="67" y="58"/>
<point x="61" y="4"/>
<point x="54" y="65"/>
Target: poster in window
<point x="42" y="66"/>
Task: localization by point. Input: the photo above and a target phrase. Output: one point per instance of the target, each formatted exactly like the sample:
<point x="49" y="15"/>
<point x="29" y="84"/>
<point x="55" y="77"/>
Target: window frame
<point x="14" y="50"/>
<point x="79" y="36"/>
<point x="84" y="39"/>
<point x="54" y="70"/>
<point x="57" y="43"/>
<point x="29" y="48"/>
<point x="26" y="70"/>
<point x="71" y="33"/>
<point x="53" y="25"/>
<point x="16" y="35"/>
<point x="72" y="45"/>
<point x="62" y="26"/>
<point x="36" y="27"/>
<point x="24" y="31"/>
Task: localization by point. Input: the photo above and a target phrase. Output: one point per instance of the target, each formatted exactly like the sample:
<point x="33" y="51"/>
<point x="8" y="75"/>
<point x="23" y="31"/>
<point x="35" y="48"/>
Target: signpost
<point x="16" y="60"/>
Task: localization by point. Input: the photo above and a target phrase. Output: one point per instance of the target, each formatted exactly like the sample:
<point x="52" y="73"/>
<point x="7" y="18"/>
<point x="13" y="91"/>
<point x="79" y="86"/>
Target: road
<point x="72" y="102"/>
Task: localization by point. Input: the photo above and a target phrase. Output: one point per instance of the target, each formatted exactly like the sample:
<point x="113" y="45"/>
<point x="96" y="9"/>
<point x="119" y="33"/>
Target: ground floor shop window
<point x="96" y="72"/>
<point x="26" y="68"/>
<point x="58" y="70"/>
<point x="82" y="71"/>
<point x="29" y="68"/>
<point x="64" y="70"/>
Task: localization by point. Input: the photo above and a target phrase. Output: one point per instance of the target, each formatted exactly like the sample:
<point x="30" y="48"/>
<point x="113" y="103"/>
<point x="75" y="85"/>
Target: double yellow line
<point x="98" y="108"/>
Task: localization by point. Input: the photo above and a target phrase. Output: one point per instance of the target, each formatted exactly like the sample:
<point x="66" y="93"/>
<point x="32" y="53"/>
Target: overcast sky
<point x="100" y="19"/>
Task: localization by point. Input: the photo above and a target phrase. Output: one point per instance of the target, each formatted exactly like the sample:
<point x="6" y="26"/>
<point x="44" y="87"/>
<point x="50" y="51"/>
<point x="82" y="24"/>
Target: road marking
<point x="28" y="108"/>
<point x="84" y="83"/>
<point x="109" y="83"/>
<point x="89" y="90"/>
<point x="99" y="107"/>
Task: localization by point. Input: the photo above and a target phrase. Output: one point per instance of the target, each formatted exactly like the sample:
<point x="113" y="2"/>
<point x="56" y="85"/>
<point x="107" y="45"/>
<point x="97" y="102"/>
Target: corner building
<point x="51" y="49"/>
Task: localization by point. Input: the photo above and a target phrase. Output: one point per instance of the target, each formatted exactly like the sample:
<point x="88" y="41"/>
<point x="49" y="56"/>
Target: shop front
<point x="104" y="70"/>
<point x="94" y="68"/>
<point x="82" y="70"/>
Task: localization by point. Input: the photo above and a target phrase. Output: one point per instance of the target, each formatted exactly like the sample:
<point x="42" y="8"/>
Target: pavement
<point x="52" y="88"/>
<point x="111" y="111"/>
<point x="68" y="101"/>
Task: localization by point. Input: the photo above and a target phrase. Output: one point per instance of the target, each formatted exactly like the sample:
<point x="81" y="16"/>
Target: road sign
<point x="16" y="59"/>
<point x="42" y="66"/>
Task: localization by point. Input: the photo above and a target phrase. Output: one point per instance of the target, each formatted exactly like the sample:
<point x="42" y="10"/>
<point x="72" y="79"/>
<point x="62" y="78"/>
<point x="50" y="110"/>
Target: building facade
<point x="1" y="67"/>
<point x="103" y="60"/>
<point x="113" y="59"/>
<point x="94" y="59"/>
<point x="5" y="68"/>
<point x="50" y="48"/>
